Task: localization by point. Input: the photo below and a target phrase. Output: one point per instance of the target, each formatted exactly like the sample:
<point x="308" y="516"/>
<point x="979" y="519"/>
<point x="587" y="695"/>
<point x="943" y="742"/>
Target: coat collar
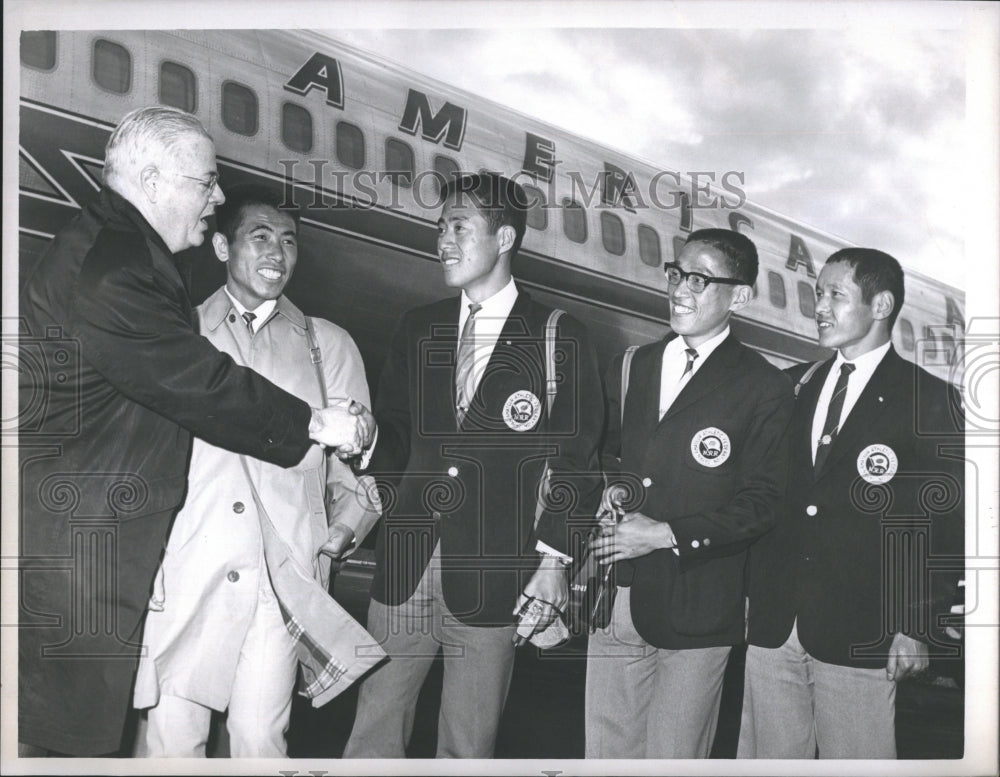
<point x="893" y="376"/>
<point x="214" y="310"/>
<point x="709" y="377"/>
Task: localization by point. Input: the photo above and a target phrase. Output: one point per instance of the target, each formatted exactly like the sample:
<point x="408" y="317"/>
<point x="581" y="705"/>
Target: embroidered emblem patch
<point x="877" y="464"/>
<point x="710" y="447"/>
<point x="522" y="411"/>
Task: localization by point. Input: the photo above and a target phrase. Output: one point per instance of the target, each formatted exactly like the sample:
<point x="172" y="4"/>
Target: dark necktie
<point x="249" y="318"/>
<point x="832" y="425"/>
<point x="464" y="372"/>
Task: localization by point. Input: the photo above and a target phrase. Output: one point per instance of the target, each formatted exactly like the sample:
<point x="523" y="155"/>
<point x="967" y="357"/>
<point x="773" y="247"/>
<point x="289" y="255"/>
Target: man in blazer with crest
<point x="847" y="593"/>
<point x="701" y="445"/>
<point x="464" y="437"/>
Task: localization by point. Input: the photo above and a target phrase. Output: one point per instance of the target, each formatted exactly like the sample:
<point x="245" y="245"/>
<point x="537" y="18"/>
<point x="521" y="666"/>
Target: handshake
<point x="345" y="425"/>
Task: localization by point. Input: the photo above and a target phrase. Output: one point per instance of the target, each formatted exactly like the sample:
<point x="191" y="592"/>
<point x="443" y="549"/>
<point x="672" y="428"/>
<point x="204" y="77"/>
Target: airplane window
<point x="612" y="233"/>
<point x="538" y="217"/>
<point x="807" y="300"/>
<point x="296" y="127"/>
<point x="239" y="108"/>
<point x="112" y="66"/>
<point x="776" y="290"/>
<point x="177" y="86"/>
<point x="399" y="162"/>
<point x="906" y="333"/>
<point x="574" y="221"/>
<point x="38" y="49"/>
<point x="447" y="168"/>
<point x="350" y="145"/>
<point x="649" y="246"/>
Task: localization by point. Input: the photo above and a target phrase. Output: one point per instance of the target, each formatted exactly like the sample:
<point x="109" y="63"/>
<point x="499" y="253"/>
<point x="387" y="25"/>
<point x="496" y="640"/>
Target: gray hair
<point x="146" y="134"/>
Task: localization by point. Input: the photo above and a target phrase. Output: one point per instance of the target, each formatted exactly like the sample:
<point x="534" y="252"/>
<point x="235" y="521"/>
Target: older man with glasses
<point x="696" y="426"/>
<point x="114" y="381"/>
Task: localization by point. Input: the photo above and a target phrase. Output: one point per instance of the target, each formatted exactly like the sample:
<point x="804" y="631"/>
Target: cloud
<point x="852" y="131"/>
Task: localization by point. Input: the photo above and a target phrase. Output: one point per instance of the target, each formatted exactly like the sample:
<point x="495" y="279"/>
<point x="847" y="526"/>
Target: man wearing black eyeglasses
<point x="702" y="456"/>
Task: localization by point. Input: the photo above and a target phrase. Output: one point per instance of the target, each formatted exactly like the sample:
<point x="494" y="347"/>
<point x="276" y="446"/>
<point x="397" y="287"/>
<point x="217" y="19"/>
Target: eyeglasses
<point x="206" y="185"/>
<point x="696" y="281"/>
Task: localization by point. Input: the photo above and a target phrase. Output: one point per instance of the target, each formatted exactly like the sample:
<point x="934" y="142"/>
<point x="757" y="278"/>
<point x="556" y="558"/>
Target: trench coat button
<point x="646" y="482"/>
<point x="436" y="515"/>
<point x="233" y="576"/>
<point x="811" y="510"/>
<point x="695" y="544"/>
<point x="232" y="318"/>
<point x="453" y="472"/>
<point x="238" y="507"/>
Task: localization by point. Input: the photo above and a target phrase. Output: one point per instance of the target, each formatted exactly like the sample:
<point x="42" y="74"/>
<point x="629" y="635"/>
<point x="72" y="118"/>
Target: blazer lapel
<point x="707" y="379"/>
<point x="805" y="413"/>
<point x="887" y="379"/>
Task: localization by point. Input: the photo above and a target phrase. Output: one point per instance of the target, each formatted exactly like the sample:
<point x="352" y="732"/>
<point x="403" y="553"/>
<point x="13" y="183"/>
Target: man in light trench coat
<point x="216" y="634"/>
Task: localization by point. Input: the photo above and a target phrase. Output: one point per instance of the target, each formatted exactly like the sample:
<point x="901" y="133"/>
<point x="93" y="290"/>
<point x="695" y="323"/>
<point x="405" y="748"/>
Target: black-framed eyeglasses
<point x="207" y="185"/>
<point x="696" y="281"/>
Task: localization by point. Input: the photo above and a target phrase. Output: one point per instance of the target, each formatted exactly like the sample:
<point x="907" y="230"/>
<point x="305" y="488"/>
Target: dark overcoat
<point x="114" y="380"/>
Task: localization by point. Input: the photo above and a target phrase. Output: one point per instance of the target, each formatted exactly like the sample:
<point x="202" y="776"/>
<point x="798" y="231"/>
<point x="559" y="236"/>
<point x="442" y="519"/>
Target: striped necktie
<point x="249" y="318"/>
<point x="832" y="425"/>
<point x="464" y="373"/>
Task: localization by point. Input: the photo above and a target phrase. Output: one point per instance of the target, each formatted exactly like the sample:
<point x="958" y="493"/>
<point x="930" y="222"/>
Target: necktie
<point x="464" y="372"/>
<point x="249" y="318"/>
<point x="692" y="354"/>
<point x="832" y="424"/>
<point x="669" y="399"/>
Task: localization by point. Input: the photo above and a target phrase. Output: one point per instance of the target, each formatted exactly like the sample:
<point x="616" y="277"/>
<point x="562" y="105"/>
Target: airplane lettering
<point x="618" y="188"/>
<point x="323" y="72"/>
<point x="736" y="220"/>
<point x="448" y="123"/>
<point x="798" y="255"/>
<point x="539" y="157"/>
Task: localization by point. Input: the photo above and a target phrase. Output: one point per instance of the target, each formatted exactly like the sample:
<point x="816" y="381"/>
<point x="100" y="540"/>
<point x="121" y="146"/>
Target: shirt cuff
<point x="366" y="455"/>
<point x="548" y="550"/>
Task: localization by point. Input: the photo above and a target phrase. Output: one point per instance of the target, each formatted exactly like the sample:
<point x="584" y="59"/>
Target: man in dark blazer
<point x="702" y="467"/>
<point x="463" y="418"/>
<point x="846" y="592"/>
<point x="114" y="380"/>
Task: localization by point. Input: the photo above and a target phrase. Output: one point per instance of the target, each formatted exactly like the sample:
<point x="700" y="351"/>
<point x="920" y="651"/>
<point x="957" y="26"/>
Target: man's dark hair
<point x="229" y="215"/>
<point x="501" y="201"/>
<point x="874" y="271"/>
<point x="737" y="248"/>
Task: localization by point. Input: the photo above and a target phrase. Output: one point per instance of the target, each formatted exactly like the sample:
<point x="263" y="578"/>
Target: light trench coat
<point x="212" y="567"/>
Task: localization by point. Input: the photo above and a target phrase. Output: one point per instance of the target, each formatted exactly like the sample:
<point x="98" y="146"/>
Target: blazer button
<point x="233" y="576"/>
<point x="695" y="544"/>
<point x="436" y="515"/>
<point x="811" y="510"/>
<point x="453" y="472"/>
<point x="706" y="542"/>
<point x="646" y="482"/>
<point x="238" y="507"/>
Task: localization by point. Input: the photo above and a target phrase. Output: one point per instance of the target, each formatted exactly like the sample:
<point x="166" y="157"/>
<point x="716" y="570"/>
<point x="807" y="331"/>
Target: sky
<point x="857" y="132"/>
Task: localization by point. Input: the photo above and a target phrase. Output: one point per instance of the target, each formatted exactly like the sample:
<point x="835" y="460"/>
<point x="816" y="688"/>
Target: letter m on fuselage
<point x="448" y="123"/>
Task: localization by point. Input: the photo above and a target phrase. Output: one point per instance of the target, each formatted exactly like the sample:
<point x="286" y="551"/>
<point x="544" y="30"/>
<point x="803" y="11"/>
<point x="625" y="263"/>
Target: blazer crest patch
<point x="522" y="411"/>
<point x="710" y="447"/>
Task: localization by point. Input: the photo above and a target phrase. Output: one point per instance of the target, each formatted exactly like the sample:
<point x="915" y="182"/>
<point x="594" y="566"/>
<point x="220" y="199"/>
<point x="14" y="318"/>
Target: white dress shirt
<point x="262" y="311"/>
<point x="864" y="367"/>
<point x="490" y="321"/>
<point x="675" y="360"/>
